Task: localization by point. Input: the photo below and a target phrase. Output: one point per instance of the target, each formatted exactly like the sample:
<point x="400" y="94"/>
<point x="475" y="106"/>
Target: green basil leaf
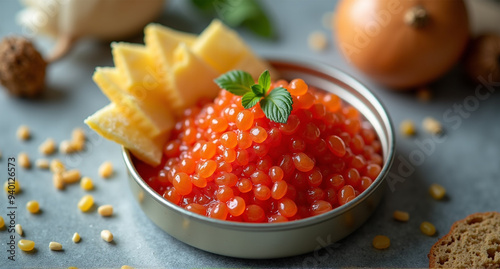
<point x="258" y="90"/>
<point x="249" y="100"/>
<point x="203" y="4"/>
<point x="265" y="80"/>
<point x="236" y="82"/>
<point x="277" y="105"/>
<point x="260" y="25"/>
<point x="234" y="13"/>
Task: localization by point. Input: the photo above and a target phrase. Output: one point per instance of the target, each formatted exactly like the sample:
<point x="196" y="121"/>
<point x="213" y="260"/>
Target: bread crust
<point x="479" y="226"/>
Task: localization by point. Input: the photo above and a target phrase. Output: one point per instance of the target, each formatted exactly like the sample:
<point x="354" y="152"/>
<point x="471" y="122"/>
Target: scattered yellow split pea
<point x="86" y="203"/>
<point x="437" y="191"/>
<point x="76" y="238"/>
<point x="19" y="229"/>
<point x="126" y="267"/>
<point x="2" y="222"/>
<point x="42" y="163"/>
<point x="317" y="41"/>
<point x="105" y="210"/>
<point x="106" y="235"/>
<point x="55" y="246"/>
<point x="78" y="134"/>
<point x="24" y="160"/>
<point x="14" y="187"/>
<point x="56" y="166"/>
<point x="432" y="126"/>
<point x="23" y="132"/>
<point x="427" y="228"/>
<point x="58" y="181"/>
<point x="86" y="183"/>
<point x="381" y="242"/>
<point x="48" y="147"/>
<point x="26" y="245"/>
<point x="407" y="128"/>
<point x="78" y="145"/>
<point x="424" y="94"/>
<point x="71" y="176"/>
<point x="401" y="216"/>
<point x="66" y="147"/>
<point x="327" y="20"/>
<point x="106" y="170"/>
<point x="33" y="207"/>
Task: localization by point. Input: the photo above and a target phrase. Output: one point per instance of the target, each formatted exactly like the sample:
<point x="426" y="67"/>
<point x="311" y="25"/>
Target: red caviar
<point x="231" y="163"/>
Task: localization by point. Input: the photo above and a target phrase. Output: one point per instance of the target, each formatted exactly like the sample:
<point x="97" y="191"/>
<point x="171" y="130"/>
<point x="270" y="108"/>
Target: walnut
<point x="22" y="68"/>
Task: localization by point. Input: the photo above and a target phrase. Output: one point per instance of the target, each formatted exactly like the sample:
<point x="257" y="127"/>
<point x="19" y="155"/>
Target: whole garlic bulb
<point x="68" y="20"/>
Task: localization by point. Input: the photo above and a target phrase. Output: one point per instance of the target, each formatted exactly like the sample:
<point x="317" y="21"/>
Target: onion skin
<point x="375" y="36"/>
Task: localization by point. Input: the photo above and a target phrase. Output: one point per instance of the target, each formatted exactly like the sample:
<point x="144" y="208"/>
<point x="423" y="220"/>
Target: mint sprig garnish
<point x="276" y="104"/>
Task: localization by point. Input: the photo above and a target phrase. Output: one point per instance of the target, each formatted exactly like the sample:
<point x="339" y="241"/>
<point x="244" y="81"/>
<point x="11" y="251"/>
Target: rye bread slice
<point x="473" y="242"/>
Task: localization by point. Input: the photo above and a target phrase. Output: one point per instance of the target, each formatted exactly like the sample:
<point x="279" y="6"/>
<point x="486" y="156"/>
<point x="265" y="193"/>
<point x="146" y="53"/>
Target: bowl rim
<point x="309" y="221"/>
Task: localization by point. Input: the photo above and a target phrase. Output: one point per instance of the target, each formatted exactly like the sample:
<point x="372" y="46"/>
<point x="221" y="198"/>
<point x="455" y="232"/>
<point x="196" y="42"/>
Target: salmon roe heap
<point x="230" y="163"/>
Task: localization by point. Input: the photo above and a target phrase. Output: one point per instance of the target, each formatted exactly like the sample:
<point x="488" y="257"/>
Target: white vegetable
<point x="69" y="20"/>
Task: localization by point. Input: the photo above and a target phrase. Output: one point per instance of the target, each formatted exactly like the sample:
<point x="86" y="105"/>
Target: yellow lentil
<point x="72" y="267"/>
<point x="26" y="245"/>
<point x="106" y="169"/>
<point x="126" y="267"/>
<point x="42" y="163"/>
<point x="401" y="215"/>
<point x="24" y="160"/>
<point x="105" y="210"/>
<point x="56" y="166"/>
<point x="71" y="176"/>
<point x="424" y="94"/>
<point x="86" y="183"/>
<point x="427" y="228"/>
<point x="47" y="147"/>
<point x="437" y="191"/>
<point x="326" y="20"/>
<point x="106" y="235"/>
<point x="55" y="246"/>
<point x="16" y="187"/>
<point x="23" y="132"/>
<point x="2" y="222"/>
<point x="19" y="229"/>
<point x="66" y="147"/>
<point x="78" y="145"/>
<point x="33" y="207"/>
<point x="407" y="128"/>
<point x="76" y="237"/>
<point x="78" y="134"/>
<point x="381" y="242"/>
<point x="432" y="126"/>
<point x="58" y="181"/>
<point x="317" y="41"/>
<point x="86" y="203"/>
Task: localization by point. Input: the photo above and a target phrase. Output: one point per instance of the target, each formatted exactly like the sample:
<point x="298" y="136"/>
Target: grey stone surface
<point x="465" y="160"/>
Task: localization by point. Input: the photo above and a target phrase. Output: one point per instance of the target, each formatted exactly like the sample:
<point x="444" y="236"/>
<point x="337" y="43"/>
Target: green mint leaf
<point x="236" y="82"/>
<point x="265" y="80"/>
<point x="277" y="105"/>
<point x="249" y="100"/>
<point x="258" y="90"/>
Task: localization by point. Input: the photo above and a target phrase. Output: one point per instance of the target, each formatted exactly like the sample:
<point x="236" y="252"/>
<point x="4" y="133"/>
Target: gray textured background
<point x="465" y="161"/>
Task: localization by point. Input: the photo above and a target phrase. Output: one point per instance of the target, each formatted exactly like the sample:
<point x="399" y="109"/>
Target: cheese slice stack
<point x="152" y="83"/>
